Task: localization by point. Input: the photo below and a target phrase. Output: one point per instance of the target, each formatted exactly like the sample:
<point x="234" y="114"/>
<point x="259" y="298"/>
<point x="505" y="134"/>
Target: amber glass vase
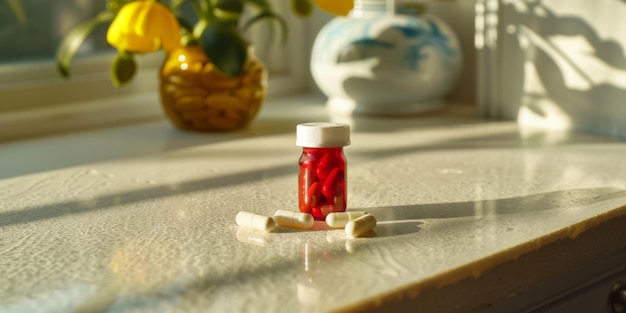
<point x="195" y="96"/>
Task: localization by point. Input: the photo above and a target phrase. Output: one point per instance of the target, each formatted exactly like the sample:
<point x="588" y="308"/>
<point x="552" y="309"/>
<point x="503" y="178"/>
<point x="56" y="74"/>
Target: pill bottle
<point x="322" y="168"/>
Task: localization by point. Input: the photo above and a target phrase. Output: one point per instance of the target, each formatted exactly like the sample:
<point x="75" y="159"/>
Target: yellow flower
<point x="337" y="7"/>
<point x="144" y="26"/>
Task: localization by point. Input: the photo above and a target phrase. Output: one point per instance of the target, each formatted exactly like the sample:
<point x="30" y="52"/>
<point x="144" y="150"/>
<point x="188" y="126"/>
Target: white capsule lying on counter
<point x="294" y="219"/>
<point x="360" y="226"/>
<point x="340" y="219"/>
<point x="255" y="221"/>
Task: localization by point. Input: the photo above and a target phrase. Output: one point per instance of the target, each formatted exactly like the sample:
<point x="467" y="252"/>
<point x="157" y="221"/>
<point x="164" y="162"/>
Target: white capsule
<point x="360" y="226"/>
<point x="255" y="221"/>
<point x="294" y="219"/>
<point x="340" y="219"/>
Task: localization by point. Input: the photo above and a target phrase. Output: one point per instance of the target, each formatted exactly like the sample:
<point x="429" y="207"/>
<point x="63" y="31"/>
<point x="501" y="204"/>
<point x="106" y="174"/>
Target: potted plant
<point x="210" y="80"/>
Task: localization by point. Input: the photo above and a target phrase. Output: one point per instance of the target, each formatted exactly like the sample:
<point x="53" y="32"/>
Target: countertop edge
<point x="429" y="294"/>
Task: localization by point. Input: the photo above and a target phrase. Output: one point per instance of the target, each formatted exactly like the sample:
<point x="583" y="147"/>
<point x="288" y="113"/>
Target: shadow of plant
<point x="596" y="106"/>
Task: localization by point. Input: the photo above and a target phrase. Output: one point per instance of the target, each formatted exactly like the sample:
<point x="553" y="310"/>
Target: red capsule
<point x="317" y="212"/>
<point x="326" y="165"/>
<point x="313" y="195"/>
<point x="329" y="188"/>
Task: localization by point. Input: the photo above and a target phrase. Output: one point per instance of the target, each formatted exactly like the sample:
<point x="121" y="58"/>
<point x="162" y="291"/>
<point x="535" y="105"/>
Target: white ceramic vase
<point x="377" y="61"/>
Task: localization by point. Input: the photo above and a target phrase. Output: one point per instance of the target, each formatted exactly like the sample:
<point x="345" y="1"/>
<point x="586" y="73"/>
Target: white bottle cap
<point x="322" y="135"/>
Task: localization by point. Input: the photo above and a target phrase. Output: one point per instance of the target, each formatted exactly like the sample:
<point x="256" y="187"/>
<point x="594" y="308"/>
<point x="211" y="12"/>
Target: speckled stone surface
<point x="141" y="218"/>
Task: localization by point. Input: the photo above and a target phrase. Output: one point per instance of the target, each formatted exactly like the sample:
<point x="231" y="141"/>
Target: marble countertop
<point x="142" y="217"/>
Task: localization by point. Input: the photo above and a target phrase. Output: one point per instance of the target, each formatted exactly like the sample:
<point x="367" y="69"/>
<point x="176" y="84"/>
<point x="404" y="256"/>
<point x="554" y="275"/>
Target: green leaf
<point x="206" y="9"/>
<point x="226" y="17"/>
<point x="123" y="69"/>
<point x="75" y="38"/>
<point x="269" y="15"/>
<point x="303" y="8"/>
<point x="225" y="48"/>
<point x="195" y="5"/>
<point x="228" y="12"/>
<point x="200" y="27"/>
<point x="233" y="6"/>
<point x="184" y="23"/>
<point x="18" y="10"/>
<point x="175" y="4"/>
<point x="187" y="37"/>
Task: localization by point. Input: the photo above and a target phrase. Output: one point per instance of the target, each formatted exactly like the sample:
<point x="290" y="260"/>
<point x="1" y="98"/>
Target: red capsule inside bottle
<point x="322" y="174"/>
<point x="322" y="181"/>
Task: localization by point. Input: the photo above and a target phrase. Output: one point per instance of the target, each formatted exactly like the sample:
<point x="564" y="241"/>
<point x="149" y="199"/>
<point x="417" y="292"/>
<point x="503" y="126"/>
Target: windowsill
<point x="112" y="111"/>
<point x="142" y="215"/>
<point x="127" y="127"/>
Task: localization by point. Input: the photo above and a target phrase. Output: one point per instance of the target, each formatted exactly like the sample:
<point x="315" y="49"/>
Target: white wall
<point x="459" y="15"/>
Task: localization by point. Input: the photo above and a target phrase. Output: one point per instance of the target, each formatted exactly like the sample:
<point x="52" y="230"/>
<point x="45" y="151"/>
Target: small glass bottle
<point x="322" y="174"/>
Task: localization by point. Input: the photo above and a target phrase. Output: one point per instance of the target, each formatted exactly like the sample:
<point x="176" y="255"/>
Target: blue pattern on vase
<point x="431" y="36"/>
<point x="364" y="46"/>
